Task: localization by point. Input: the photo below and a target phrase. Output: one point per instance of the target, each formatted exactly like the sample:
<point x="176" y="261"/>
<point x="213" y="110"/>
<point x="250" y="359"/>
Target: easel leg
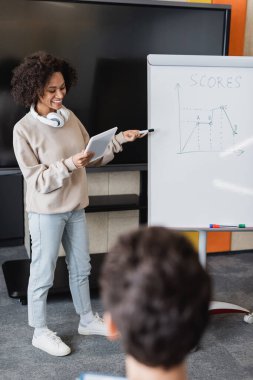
<point x="202" y="248"/>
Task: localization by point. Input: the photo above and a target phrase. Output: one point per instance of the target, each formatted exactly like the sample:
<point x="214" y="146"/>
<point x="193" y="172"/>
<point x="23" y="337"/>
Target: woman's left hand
<point x="133" y="134"/>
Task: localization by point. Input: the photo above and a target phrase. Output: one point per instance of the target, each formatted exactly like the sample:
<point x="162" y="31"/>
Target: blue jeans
<point x="47" y="233"/>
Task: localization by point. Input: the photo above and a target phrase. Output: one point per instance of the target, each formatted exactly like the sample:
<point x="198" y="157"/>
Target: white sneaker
<point x="248" y="318"/>
<point x="51" y="343"/>
<point x="95" y="327"/>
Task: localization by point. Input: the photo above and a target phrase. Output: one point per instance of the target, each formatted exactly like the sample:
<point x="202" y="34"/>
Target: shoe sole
<point x="87" y="332"/>
<point x="50" y="352"/>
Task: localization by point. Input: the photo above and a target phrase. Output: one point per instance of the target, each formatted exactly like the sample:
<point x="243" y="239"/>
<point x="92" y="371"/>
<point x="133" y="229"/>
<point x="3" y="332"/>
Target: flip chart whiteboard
<point x="200" y="156"/>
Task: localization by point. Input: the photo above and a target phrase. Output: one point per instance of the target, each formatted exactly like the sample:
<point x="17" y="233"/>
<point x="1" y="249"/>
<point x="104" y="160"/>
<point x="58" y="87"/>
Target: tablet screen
<point x="99" y="143"/>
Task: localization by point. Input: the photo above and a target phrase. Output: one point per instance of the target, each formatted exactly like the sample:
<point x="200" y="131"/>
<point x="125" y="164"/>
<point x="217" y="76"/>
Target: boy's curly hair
<point x="31" y="76"/>
<point x="158" y="295"/>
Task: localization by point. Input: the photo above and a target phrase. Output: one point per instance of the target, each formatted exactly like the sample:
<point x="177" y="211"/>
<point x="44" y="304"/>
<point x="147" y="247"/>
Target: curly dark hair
<point x="158" y="295"/>
<point x="31" y="76"/>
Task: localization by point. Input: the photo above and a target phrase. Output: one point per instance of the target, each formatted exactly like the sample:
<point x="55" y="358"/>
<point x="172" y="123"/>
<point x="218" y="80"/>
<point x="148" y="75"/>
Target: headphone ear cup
<point x="56" y="118"/>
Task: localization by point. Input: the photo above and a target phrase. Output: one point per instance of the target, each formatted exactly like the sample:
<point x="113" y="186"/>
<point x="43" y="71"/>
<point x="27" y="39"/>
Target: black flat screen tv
<point x="108" y="43"/>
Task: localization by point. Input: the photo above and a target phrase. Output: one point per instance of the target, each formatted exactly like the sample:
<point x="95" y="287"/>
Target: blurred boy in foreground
<point x="156" y="295"/>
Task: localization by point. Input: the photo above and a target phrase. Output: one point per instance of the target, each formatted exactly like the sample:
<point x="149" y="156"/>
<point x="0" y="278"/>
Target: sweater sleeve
<point x="44" y="179"/>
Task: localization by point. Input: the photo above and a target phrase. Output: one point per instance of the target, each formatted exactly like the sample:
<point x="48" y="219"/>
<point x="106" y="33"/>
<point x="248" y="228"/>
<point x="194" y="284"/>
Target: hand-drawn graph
<point x="205" y="129"/>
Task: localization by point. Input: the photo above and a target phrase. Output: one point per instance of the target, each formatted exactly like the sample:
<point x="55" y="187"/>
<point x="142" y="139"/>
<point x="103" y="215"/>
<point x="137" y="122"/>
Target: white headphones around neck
<point x="54" y="119"/>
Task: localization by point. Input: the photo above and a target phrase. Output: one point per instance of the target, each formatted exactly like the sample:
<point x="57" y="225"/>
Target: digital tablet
<point x="98" y="143"/>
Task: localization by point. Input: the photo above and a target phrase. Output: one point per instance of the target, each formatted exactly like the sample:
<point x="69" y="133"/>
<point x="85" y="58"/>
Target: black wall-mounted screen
<point x="108" y="43"/>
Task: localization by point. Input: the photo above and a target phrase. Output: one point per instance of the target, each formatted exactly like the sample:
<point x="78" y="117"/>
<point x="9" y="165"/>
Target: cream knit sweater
<point x="44" y="155"/>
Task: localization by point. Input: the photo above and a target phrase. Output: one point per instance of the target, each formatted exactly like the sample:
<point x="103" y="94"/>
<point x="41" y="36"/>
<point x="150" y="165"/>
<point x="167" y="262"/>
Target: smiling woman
<point x="49" y="143"/>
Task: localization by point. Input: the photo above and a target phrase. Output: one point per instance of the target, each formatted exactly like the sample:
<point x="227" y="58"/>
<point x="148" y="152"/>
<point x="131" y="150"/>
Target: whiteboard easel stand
<point x="189" y="116"/>
<point x="217" y="307"/>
